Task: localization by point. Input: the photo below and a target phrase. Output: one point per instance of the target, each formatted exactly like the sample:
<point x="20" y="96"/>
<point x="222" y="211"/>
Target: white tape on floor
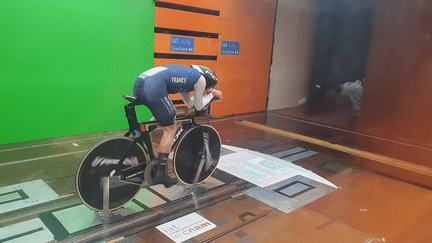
<point x="290" y="194"/>
<point x="261" y="169"/>
<point x="28" y="231"/>
<point x="24" y="195"/>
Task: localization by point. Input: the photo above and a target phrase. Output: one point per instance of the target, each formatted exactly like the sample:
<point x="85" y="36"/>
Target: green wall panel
<point x="64" y="65"/>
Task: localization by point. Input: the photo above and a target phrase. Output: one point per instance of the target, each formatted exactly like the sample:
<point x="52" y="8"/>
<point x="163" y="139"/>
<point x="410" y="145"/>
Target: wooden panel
<point x="257" y="105"/>
<point x="222" y="108"/>
<point x="243" y="78"/>
<point x="213" y="65"/>
<point x="175" y="97"/>
<point x="183" y="20"/>
<point x="202" y="46"/>
<point x="246" y="9"/>
<point x="243" y="71"/>
<point x="231" y="108"/>
<point x="249" y="52"/>
<point x="246" y="31"/>
<point x="236" y="91"/>
<point x="207" y="4"/>
<point x="239" y="98"/>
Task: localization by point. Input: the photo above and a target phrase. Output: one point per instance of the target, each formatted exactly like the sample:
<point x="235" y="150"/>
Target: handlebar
<point x="208" y="104"/>
<point x="203" y="111"/>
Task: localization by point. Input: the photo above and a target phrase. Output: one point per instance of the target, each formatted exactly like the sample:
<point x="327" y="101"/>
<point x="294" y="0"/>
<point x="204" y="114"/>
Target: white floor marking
<point x="28" y="231"/>
<point x="40" y="158"/>
<point x="25" y="194"/>
<point x="295" y="169"/>
<point x="51" y="144"/>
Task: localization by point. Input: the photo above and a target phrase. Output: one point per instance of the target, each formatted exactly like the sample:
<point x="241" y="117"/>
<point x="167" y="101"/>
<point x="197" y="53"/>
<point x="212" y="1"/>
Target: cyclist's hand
<point x="218" y="94"/>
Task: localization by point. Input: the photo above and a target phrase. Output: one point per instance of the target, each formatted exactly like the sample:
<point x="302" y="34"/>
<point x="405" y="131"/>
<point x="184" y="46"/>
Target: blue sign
<point x="230" y="48"/>
<point x="182" y="44"/>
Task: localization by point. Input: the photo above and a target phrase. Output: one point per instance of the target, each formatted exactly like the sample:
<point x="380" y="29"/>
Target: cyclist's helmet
<point x="209" y="75"/>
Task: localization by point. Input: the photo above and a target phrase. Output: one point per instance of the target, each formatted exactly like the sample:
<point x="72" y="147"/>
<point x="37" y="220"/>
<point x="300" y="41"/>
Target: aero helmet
<point x="209" y="75"/>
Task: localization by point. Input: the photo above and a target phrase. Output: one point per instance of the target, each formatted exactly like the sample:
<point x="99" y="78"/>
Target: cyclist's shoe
<point x="162" y="178"/>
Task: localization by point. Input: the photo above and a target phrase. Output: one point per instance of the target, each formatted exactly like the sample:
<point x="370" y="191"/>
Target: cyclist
<point x="153" y="88"/>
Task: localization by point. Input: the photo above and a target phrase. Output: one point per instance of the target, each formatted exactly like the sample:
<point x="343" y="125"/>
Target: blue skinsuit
<point x="154" y="86"/>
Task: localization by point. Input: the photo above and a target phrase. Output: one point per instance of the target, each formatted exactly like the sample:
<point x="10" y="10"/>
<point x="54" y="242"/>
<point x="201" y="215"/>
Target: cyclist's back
<point x="175" y="78"/>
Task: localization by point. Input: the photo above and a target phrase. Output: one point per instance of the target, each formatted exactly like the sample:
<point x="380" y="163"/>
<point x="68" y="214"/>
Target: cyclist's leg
<point x="164" y="112"/>
<point x="161" y="176"/>
<point x="155" y="96"/>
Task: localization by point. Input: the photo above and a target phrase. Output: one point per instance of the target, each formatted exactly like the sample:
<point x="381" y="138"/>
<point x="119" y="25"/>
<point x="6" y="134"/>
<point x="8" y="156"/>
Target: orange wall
<point x="183" y="20"/>
<point x="205" y="4"/>
<point x="243" y="78"/>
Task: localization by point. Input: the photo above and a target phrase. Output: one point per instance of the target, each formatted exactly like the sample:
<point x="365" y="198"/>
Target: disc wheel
<point x="190" y="151"/>
<point x="101" y="161"/>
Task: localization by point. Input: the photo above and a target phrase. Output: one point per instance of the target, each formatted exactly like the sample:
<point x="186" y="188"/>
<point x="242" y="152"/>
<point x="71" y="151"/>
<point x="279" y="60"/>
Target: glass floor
<point x="275" y="182"/>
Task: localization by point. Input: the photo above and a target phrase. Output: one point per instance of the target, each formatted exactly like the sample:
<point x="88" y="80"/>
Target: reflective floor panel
<point x="273" y="185"/>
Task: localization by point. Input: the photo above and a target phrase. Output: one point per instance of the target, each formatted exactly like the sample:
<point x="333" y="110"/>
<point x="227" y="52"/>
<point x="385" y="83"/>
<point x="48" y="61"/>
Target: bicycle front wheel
<point x="192" y="149"/>
<point x="101" y="161"/>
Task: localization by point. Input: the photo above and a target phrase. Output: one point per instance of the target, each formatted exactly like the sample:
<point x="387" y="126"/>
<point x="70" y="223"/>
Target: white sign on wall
<point x="186" y="227"/>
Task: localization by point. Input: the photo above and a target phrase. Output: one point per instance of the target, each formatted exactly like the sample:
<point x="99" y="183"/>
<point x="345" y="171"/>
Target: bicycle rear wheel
<point x="101" y="161"/>
<point x="187" y="159"/>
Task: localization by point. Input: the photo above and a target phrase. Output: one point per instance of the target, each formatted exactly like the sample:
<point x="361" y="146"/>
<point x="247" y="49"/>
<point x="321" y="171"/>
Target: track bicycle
<point x="128" y="162"/>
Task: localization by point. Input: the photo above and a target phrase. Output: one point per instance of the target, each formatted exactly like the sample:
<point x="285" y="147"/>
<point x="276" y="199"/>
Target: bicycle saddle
<point x="130" y="98"/>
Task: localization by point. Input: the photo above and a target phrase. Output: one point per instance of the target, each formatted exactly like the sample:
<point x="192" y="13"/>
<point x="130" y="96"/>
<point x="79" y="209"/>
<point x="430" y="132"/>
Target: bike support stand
<point x="105" y="187"/>
<point x="107" y="217"/>
<point x="197" y="175"/>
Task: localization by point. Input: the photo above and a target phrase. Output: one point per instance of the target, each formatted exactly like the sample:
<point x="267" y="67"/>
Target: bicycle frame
<point x="130" y="167"/>
<point x="141" y="132"/>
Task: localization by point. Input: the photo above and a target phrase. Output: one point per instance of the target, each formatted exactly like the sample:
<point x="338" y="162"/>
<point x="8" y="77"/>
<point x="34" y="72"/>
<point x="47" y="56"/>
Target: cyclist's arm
<point x="187" y="99"/>
<point x="197" y="100"/>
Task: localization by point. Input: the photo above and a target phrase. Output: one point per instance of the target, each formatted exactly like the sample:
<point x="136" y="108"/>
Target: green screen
<point x="64" y="65"/>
